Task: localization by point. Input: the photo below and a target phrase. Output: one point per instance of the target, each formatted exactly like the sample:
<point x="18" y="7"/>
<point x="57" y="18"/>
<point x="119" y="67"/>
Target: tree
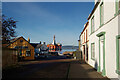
<point x="8" y="28"/>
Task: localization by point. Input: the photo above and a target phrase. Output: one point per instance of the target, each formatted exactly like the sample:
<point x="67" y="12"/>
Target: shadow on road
<point x="63" y="69"/>
<point x="81" y="70"/>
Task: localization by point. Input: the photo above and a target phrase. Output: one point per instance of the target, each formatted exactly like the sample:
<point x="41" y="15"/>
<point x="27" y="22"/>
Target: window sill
<point x="118" y="72"/>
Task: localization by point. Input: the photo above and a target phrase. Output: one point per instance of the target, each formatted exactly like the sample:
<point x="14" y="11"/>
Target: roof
<point x="15" y="39"/>
<point x="84" y="28"/>
<point x="12" y="40"/>
<point x="34" y="44"/>
<point x="94" y="9"/>
<point x="39" y="45"/>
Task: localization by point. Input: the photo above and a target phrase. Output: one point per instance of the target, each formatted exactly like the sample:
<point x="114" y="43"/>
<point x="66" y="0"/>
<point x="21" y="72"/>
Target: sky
<point x="40" y="21"/>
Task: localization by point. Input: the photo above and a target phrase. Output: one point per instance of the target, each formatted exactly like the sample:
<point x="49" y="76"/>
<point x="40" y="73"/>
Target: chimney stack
<point x="28" y="39"/>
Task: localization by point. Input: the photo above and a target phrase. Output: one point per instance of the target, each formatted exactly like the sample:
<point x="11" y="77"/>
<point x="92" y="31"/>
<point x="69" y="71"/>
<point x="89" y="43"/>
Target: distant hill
<point x="70" y="47"/>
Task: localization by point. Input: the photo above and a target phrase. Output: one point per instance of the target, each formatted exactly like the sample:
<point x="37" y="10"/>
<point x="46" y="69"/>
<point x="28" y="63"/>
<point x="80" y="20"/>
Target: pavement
<point x="81" y="70"/>
<point x="64" y="69"/>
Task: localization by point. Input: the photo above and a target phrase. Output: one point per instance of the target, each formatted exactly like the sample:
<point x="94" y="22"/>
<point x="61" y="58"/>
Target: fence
<point x="9" y="57"/>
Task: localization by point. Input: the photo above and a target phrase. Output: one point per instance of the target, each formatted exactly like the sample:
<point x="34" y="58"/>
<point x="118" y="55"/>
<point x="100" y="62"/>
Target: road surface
<point x="53" y="68"/>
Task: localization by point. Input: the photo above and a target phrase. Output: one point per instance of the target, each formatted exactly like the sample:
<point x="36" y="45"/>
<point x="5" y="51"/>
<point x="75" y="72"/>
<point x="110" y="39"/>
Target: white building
<point x="84" y="42"/>
<point x="104" y="38"/>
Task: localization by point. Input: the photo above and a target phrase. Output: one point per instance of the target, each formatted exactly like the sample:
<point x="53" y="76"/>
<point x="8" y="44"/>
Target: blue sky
<point x="40" y="21"/>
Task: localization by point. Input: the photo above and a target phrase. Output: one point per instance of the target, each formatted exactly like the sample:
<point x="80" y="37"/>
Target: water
<point x="63" y="50"/>
<point x="68" y="48"/>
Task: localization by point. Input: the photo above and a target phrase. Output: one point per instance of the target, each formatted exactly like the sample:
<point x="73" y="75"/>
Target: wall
<point x="24" y="43"/>
<point x="84" y="41"/>
<point x="111" y="29"/>
<point x="9" y="57"/>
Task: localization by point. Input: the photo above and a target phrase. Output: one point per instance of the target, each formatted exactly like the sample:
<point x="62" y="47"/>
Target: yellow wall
<point x="24" y="43"/>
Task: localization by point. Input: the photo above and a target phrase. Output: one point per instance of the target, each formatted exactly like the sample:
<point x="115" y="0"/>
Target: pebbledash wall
<point x="106" y="61"/>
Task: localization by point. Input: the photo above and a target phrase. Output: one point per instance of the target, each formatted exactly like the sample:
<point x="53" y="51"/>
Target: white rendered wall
<point x="119" y="24"/>
<point x="111" y="29"/>
<point x="109" y="11"/>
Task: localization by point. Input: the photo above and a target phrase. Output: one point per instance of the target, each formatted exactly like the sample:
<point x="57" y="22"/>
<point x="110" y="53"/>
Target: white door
<point x="101" y="55"/>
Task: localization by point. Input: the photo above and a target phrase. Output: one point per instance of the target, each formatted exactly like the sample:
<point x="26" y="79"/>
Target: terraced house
<point x="84" y="42"/>
<point x="104" y="38"/>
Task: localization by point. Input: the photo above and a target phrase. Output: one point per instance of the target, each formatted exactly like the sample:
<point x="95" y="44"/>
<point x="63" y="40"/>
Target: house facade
<point x="104" y="38"/>
<point x="24" y="48"/>
<point x="41" y="50"/>
<point x="84" y="42"/>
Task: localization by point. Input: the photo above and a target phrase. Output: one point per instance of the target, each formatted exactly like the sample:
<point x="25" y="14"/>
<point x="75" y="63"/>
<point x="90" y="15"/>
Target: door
<point x="87" y="53"/>
<point x="101" y="54"/>
<point x="101" y="67"/>
<point x="84" y="52"/>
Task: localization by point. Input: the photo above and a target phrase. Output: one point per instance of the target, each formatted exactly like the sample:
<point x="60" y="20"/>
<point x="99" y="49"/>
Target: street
<point x="57" y="67"/>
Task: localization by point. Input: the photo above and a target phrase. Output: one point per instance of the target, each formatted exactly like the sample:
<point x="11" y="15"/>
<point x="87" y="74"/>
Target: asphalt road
<point x="55" y="68"/>
<point x="52" y="67"/>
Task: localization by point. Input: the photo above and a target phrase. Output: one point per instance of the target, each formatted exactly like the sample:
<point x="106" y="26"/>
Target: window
<point x="101" y="14"/>
<point x="82" y="38"/>
<point x="118" y="54"/>
<point x="28" y="53"/>
<point x="25" y="46"/>
<point x="117" y="7"/>
<point x="92" y="24"/>
<point x="93" y="51"/>
<point x="16" y="47"/>
<point x="20" y="52"/>
<point x="117" y="3"/>
<point x="21" y="40"/>
<point x="86" y="35"/>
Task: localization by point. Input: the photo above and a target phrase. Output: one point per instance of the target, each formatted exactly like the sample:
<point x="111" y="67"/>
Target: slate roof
<point x="34" y="44"/>
<point x="39" y="45"/>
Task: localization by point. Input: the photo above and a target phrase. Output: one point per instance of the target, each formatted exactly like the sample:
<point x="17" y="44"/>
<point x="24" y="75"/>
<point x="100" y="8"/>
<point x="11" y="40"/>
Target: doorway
<point x="101" y="66"/>
<point x="101" y="54"/>
<point x="87" y="53"/>
<point x="84" y="52"/>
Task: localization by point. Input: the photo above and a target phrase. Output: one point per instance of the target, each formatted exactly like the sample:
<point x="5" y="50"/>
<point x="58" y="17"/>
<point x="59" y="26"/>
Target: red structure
<point x="54" y="47"/>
